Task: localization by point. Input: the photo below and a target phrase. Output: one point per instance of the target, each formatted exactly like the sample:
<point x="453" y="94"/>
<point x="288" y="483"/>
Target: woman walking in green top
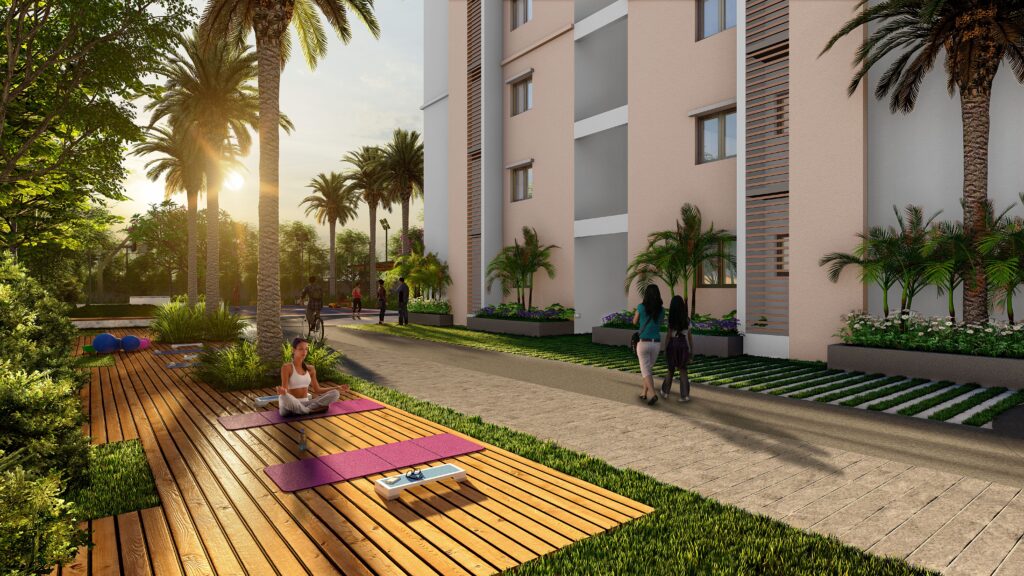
<point x="648" y="316"/>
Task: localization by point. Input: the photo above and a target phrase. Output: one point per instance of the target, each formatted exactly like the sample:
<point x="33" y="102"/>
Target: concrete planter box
<point x="984" y="370"/>
<point x="724" y="346"/>
<point x="154" y="300"/>
<point x="111" y="322"/>
<point x="427" y="319"/>
<point x="520" y="327"/>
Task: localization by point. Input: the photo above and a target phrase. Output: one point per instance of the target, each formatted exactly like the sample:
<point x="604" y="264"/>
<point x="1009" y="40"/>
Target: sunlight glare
<point x="234" y="181"/>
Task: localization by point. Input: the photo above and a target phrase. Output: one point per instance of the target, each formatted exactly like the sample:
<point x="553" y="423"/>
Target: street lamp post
<point x="384" y="224"/>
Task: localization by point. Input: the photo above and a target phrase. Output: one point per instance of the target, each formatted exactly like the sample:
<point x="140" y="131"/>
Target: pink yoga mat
<point x="302" y="474"/>
<point x="447" y="445"/>
<point x="268" y="417"/>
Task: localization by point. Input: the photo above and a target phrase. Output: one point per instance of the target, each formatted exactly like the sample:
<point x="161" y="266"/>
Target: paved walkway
<point x="933" y="515"/>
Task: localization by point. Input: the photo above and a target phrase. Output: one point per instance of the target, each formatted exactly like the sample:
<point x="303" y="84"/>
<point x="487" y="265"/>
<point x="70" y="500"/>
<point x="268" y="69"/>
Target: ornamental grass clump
<point x="908" y="331"/>
<point x="236" y="367"/>
<point x="177" y="322"/>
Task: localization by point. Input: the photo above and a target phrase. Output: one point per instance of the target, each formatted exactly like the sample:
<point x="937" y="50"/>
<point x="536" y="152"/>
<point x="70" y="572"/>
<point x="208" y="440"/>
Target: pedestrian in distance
<point x="648" y="317"/>
<point x="403" y="302"/>
<point x="357" y="303"/>
<point x="677" y="349"/>
<point x="382" y="300"/>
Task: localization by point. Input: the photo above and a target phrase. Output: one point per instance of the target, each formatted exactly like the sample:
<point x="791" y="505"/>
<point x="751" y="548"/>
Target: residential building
<point x="593" y="121"/>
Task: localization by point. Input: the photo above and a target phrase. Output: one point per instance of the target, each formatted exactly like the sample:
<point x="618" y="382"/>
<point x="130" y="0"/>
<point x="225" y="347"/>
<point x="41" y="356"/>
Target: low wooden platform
<point x="221" y="514"/>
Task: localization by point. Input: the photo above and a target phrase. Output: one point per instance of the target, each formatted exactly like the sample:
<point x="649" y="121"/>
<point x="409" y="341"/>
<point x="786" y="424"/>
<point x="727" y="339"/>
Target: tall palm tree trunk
<point x="193" y="252"/>
<point x="333" y="283"/>
<point x="213" y="186"/>
<point x="406" y="243"/>
<point x="269" y="27"/>
<point x="974" y="106"/>
<point x="372" y="280"/>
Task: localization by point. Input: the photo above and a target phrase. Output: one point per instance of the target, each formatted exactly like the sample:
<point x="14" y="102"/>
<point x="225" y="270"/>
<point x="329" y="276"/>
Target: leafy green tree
<point x="974" y="36"/>
<point x="426" y="274"/>
<point x="352" y="249"/>
<point x="403" y="168"/>
<point x="302" y="256"/>
<point x="269" y="21"/>
<point x="333" y="203"/>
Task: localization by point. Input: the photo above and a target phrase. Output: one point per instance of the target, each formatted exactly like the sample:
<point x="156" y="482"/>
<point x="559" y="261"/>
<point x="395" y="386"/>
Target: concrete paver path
<point x="945" y="500"/>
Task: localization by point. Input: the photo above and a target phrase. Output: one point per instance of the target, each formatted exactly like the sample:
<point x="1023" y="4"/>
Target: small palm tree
<point x="332" y="203"/>
<point x="366" y="180"/>
<point x="659" y="261"/>
<point x="269" y="20"/>
<point x="179" y="165"/>
<point x="871" y="256"/>
<point x="1003" y="249"/>
<point x="536" y="257"/>
<point x="403" y="167"/>
<point x="949" y="250"/>
<point x="905" y="251"/>
<point x="507" y="268"/>
<point x="975" y="36"/>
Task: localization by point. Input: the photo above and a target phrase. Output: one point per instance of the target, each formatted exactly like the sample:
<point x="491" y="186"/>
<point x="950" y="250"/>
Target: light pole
<point x="384" y="224"/>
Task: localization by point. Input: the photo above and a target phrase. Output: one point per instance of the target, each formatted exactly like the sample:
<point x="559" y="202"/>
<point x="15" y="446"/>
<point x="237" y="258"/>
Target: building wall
<point x="672" y="74"/>
<point x="435" y="126"/>
<point x="827" y="173"/>
<point x="457" y="293"/>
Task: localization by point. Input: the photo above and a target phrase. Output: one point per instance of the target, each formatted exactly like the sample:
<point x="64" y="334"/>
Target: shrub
<point x="553" y="313"/>
<point x="36" y="527"/>
<point x="699" y="324"/>
<point x="43" y="416"/>
<point x="177" y="322"/>
<point x="911" y="332"/>
<point x="223" y="326"/>
<point x="322" y="358"/>
<point x="236" y="367"/>
<point x="429" y="306"/>
<point x="35" y="333"/>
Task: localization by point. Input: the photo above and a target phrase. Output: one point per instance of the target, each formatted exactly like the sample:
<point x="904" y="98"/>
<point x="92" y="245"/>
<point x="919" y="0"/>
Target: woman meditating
<point x="296" y="381"/>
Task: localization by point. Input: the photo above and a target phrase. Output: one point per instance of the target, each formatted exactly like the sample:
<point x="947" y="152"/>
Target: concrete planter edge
<point x="520" y="327"/>
<point x="960" y="368"/>
<point x="428" y="319"/>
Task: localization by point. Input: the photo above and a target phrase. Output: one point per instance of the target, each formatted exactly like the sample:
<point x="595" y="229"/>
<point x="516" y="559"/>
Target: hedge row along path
<point x="970" y="405"/>
<point x="220" y="514"/>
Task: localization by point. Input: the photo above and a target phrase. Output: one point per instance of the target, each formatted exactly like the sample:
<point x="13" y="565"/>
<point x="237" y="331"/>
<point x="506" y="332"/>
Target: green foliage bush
<point x="177" y="322"/>
<point x="910" y="332"/>
<point x="120" y="481"/>
<point x="35" y="333"/>
<point x="235" y="367"/>
<point x="222" y="325"/>
<point x="513" y="311"/>
<point x="429" y="306"/>
<point x="321" y="357"/>
<point x="44" y="416"/>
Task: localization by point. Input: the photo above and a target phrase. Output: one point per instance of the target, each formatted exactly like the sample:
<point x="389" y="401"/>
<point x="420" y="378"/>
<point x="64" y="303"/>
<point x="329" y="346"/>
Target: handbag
<point x="635" y="339"/>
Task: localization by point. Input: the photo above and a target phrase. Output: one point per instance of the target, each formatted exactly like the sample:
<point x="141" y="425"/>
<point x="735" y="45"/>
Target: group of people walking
<point x="678" y="344"/>
<point x="401" y="290"/>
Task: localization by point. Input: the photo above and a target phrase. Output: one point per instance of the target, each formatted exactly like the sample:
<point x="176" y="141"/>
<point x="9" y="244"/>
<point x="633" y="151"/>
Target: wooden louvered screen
<point x="474" y="104"/>
<point x="767" y="166"/>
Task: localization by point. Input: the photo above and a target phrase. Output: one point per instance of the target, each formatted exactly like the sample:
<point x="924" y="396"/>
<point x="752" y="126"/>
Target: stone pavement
<point x="938" y="519"/>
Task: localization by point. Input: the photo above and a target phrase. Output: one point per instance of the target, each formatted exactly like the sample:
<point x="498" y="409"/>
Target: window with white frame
<point x="522" y="182"/>
<point x="522" y="12"/>
<point x="522" y="95"/>
<point x="716" y="16"/>
<point x="716" y="135"/>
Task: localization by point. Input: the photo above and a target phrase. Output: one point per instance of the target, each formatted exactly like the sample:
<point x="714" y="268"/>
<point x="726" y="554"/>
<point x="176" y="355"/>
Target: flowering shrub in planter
<point x="699" y="324"/>
<point x="907" y="331"/>
<point x="429" y="306"/>
<point x="553" y="313"/>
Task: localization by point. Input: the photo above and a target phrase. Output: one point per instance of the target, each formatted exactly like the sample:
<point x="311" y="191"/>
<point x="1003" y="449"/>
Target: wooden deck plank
<point x="98" y="426"/>
<point x="118" y="378"/>
<point x="105" y="558"/>
<point x="159" y="544"/>
<point x="134" y="556"/>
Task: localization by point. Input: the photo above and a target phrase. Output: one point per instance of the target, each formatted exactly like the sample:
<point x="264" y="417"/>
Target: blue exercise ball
<point x="130" y="343"/>
<point x="105" y="343"/>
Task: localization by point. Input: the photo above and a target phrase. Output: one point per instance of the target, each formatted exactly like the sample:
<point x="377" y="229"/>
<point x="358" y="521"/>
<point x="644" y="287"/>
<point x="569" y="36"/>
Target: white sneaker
<point x="684" y="399"/>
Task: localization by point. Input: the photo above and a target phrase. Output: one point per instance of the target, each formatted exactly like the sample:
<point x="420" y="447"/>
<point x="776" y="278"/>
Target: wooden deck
<point x="220" y="514"/>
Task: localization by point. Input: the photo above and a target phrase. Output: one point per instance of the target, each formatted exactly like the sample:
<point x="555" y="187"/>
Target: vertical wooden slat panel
<point x="474" y="133"/>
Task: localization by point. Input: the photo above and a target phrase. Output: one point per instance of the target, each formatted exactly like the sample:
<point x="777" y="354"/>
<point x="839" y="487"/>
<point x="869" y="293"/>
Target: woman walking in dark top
<point x="677" y="351"/>
<point x="382" y="300"/>
<point x="648" y="317"/>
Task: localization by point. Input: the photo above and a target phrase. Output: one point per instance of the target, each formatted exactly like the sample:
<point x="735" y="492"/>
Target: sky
<point x="357" y="96"/>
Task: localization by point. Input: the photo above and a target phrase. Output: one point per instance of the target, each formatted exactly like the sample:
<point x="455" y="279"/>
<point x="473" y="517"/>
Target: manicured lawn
<point x="113" y="311"/>
<point x="119" y="481"/>
<point x="687" y="533"/>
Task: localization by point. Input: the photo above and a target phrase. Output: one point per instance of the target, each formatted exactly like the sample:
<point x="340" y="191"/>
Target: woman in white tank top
<point x="297" y="380"/>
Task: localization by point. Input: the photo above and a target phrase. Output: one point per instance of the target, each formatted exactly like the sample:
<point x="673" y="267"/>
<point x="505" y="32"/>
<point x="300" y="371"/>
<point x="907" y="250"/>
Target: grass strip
<point x="835" y="386"/>
<point x="883" y="392"/>
<point x="743" y="375"/>
<point x="686" y="534"/>
<point x="936" y="400"/>
<point x="785" y="387"/>
<point x="966" y="404"/>
<point x="858" y="389"/>
<point x="904" y="398"/>
<point x="119" y="481"/>
<point x="113" y="311"/>
<point x="989" y="414"/>
<point x="787" y="376"/>
<point x="95" y="361"/>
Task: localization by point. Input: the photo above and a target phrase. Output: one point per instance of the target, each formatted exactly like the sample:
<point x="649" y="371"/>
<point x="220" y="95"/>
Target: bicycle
<point x="315" y="328"/>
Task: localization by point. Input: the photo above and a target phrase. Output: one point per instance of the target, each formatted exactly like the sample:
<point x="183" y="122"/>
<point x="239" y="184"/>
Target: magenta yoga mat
<point x="302" y="474"/>
<point x="269" y="417"/>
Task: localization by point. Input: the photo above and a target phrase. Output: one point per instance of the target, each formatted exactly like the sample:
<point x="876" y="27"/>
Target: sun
<point x="234" y="181"/>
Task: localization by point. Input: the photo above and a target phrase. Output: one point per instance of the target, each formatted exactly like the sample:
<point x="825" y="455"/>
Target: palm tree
<point x="507" y="268"/>
<point x="269" y="20"/>
<point x="403" y="166"/>
<point x="366" y="180"/>
<point x="975" y="37"/>
<point x="949" y="251"/>
<point x="872" y="257"/>
<point x="659" y="261"/>
<point x="181" y="168"/>
<point x="209" y="89"/>
<point x="536" y="257"/>
<point x="333" y="203"/>
<point x="1003" y="249"/>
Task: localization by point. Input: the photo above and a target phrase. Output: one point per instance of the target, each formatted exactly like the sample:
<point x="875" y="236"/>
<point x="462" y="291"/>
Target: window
<point x="522" y="96"/>
<point x="717" y="134"/>
<point x="522" y="12"/>
<point x="720" y="272"/>
<point x="522" y="182"/>
<point x="716" y="16"/>
<point x="782" y="254"/>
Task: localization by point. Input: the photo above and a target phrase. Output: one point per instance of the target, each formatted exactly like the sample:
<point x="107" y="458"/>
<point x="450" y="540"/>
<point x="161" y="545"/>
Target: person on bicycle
<point x="313" y="294"/>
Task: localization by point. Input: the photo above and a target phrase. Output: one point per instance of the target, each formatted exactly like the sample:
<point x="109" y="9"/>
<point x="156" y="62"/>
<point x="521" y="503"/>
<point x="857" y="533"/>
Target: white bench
<point x="391" y="487"/>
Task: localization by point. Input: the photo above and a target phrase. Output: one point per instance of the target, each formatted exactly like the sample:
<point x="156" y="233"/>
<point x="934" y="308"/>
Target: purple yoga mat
<point x="251" y="420"/>
<point x="300" y="474"/>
